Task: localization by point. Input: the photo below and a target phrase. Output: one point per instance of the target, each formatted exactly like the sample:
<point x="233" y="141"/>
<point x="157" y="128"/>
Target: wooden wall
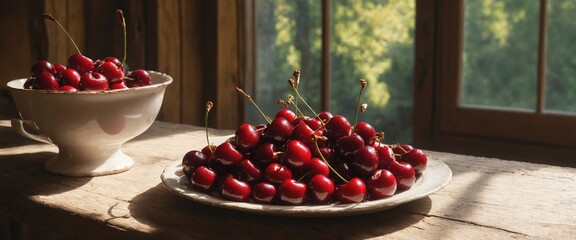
<point x="196" y="42"/>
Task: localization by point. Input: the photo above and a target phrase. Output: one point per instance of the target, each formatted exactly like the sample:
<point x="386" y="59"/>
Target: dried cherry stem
<point x="123" y="22"/>
<point x="209" y="106"/>
<point x="245" y="95"/>
<point x="51" y="18"/>
<point x="293" y="84"/>
<point x="315" y="139"/>
<point x="363" y="85"/>
<point x="296" y="75"/>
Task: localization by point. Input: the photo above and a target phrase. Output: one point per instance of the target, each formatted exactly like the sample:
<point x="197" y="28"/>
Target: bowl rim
<point x="12" y="85"/>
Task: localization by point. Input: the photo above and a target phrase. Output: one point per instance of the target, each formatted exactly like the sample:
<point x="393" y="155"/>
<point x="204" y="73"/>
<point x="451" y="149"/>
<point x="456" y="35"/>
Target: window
<point x="335" y="44"/>
<point x="501" y="81"/>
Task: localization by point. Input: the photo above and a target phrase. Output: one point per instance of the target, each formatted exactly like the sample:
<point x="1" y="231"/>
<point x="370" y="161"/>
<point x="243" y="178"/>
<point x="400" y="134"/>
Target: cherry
<point x="118" y="86"/>
<point x="343" y="169"/>
<point x="41" y="66"/>
<point x="381" y="184"/>
<point x="385" y="155"/>
<point x="246" y="137"/>
<point x="326" y="152"/>
<point x="236" y="190"/>
<point x="337" y="127"/>
<point x="402" y="149"/>
<point x="321" y="189"/>
<point x="277" y="173"/>
<point x="366" y="161"/>
<point x="297" y="155"/>
<point x="80" y="63"/>
<point x="348" y="145"/>
<point x="192" y="160"/>
<point x="93" y="81"/>
<point x="324" y="116"/>
<point x="58" y="69"/>
<point x="227" y="155"/>
<point x="67" y="88"/>
<point x="138" y="78"/>
<point x="404" y="173"/>
<point x="70" y="77"/>
<point x="46" y="81"/>
<point x="279" y="130"/>
<point x="30" y="83"/>
<point x="313" y="123"/>
<point x="292" y="192"/>
<point x="266" y="153"/>
<point x="303" y="133"/>
<point x="264" y="192"/>
<point x="287" y="114"/>
<point x="318" y="166"/>
<point x="208" y="150"/>
<point x="366" y="131"/>
<point x="354" y="191"/>
<point x="247" y="171"/>
<point x="203" y="179"/>
<point x="417" y="158"/>
<point x="111" y="71"/>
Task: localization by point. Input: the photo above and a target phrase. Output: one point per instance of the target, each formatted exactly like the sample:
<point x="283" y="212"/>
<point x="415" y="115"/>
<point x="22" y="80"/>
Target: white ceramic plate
<point x="436" y="176"/>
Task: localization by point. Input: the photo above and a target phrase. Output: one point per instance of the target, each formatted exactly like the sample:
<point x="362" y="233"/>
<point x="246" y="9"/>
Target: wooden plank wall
<point x="196" y="42"/>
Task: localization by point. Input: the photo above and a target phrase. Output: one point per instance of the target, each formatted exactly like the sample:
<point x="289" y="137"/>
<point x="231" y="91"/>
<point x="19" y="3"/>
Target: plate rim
<point x="172" y="178"/>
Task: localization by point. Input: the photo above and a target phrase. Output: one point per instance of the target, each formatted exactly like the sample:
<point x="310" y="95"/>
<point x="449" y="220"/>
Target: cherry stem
<point x="294" y="86"/>
<point x="296" y="75"/>
<point x="315" y="138"/>
<point x="51" y="18"/>
<point x="363" y="85"/>
<point x="245" y="95"/>
<point x="292" y="101"/>
<point x="209" y="106"/>
<point x="303" y="176"/>
<point x="123" y="22"/>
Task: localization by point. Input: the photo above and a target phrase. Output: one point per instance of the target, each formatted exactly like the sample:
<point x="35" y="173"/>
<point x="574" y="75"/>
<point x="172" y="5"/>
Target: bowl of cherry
<point x="88" y="109"/>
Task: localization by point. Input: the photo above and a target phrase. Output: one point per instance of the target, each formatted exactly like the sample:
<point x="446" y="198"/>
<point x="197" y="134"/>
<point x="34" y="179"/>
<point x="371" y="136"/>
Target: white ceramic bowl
<point x="89" y="128"/>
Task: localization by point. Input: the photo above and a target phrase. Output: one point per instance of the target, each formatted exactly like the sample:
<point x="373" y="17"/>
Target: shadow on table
<point x="29" y="176"/>
<point x="171" y="215"/>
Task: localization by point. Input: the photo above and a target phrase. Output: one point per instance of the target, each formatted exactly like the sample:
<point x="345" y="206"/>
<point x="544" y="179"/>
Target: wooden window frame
<point x="441" y="123"/>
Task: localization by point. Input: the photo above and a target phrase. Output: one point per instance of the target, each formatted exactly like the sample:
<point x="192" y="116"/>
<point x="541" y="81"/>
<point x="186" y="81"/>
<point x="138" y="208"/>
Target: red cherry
<point x="324" y="116"/>
<point x="303" y="133"/>
<point x="277" y="173"/>
<point x="385" y="155"/>
<point x="366" y="131"/>
<point x="93" y="81"/>
<point x="402" y="149"/>
<point x="265" y="154"/>
<point x="203" y="179"/>
<point x="321" y="189"/>
<point x="318" y="166"/>
<point x="192" y="160"/>
<point x="417" y="158"/>
<point x="58" y="69"/>
<point x="208" y="150"/>
<point x="348" y="145"/>
<point x="366" y="161"/>
<point x="327" y="152"/>
<point x="297" y="155"/>
<point x="337" y="127"/>
<point x="67" y="88"/>
<point x="138" y="78"/>
<point x="313" y="123"/>
<point x="42" y="66"/>
<point x="264" y="193"/>
<point x="46" y="81"/>
<point x="70" y="77"/>
<point x="292" y="192"/>
<point x="279" y="130"/>
<point x="80" y="63"/>
<point x="118" y="86"/>
<point x="236" y="190"/>
<point x="354" y="191"/>
<point x="247" y="171"/>
<point x="226" y="155"/>
<point x="287" y="114"/>
<point x="381" y="184"/>
<point x="246" y="137"/>
<point x="404" y="173"/>
<point x="111" y="71"/>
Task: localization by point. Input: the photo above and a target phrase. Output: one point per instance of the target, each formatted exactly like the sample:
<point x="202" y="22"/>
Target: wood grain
<point x="487" y="199"/>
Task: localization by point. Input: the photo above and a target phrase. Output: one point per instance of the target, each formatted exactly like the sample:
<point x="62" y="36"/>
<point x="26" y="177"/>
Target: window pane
<point x="288" y="37"/>
<point x="374" y="40"/>
<point x="500" y="54"/>
<point x="561" y="57"/>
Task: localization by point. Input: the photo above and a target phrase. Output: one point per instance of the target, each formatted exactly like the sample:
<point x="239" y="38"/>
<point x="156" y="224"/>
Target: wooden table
<point x="486" y="199"/>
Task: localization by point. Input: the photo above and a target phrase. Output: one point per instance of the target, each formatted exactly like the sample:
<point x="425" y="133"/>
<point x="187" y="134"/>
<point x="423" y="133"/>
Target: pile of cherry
<point x="83" y="74"/>
<point x="300" y="160"/>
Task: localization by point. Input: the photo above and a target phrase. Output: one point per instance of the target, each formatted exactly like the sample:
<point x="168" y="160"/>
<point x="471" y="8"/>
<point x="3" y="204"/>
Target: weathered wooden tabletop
<point x="486" y="199"/>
